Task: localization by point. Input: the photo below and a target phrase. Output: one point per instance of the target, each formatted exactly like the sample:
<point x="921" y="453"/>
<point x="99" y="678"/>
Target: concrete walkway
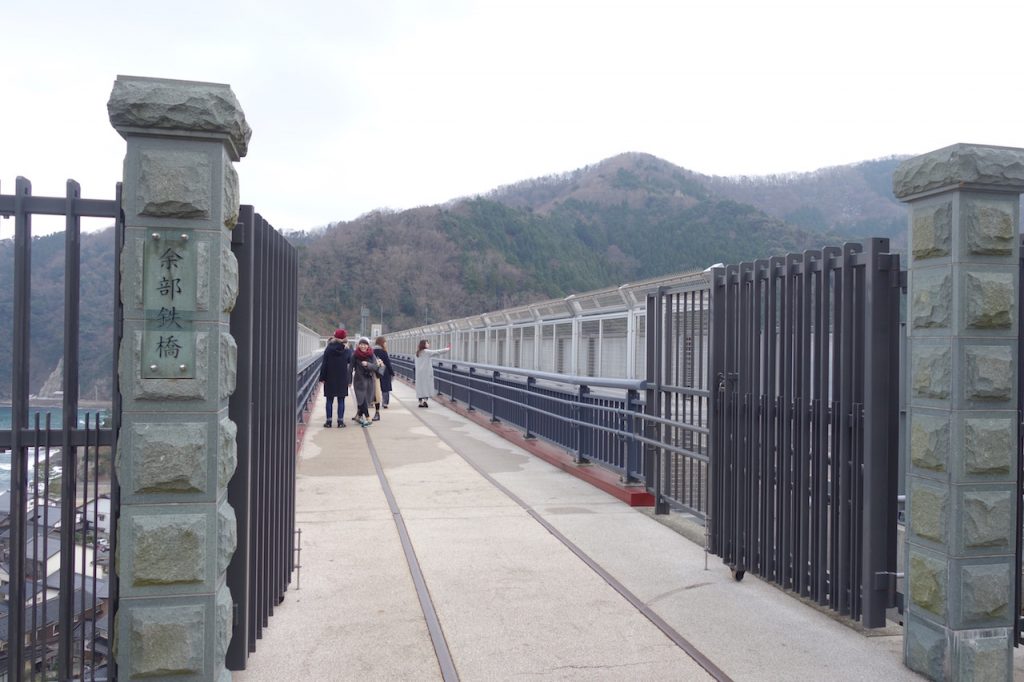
<point x="508" y="599"/>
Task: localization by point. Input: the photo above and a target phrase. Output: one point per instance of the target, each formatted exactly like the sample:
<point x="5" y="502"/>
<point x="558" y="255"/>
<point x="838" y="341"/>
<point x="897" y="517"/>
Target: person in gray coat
<point x="365" y="367"/>
<point x="425" y="371"/>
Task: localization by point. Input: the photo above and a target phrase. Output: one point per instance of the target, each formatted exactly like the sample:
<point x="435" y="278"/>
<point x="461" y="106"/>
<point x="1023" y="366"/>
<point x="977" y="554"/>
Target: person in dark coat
<point x="380" y="349"/>
<point x="364" y="373"/>
<point x="336" y="375"/>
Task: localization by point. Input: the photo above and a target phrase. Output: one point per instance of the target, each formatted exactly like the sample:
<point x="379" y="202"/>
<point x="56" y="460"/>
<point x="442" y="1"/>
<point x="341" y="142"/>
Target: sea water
<point x="56" y="422"/>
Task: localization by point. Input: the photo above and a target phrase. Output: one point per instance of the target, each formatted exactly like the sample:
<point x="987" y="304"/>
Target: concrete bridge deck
<point x="523" y="570"/>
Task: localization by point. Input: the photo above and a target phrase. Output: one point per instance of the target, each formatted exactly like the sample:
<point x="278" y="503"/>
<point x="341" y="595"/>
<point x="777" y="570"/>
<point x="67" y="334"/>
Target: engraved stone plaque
<point x="169" y="298"/>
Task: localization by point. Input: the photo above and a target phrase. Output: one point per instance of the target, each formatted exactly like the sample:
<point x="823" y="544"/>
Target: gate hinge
<point x="886" y="581"/>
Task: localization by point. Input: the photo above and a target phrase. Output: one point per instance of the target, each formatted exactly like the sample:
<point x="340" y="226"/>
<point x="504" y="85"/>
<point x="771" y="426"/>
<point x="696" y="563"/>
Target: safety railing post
<point x="577" y="414"/>
<point x="630" y="429"/>
<point x="470" y="379"/>
<point x="494" y="389"/>
<point x="531" y="382"/>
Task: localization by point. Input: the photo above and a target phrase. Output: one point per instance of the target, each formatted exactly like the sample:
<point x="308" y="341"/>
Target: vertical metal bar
<point x="785" y="421"/>
<point x="743" y="389"/>
<point x="115" y="420"/>
<point x="845" y="421"/>
<point x="19" y="420"/>
<point x="878" y="443"/>
<point x="715" y="376"/>
<point x="240" y="412"/>
<point x="1018" y="622"/>
<point x="72" y="260"/>
<point x="805" y="498"/>
<point x="761" y="362"/>
<point x="824" y="369"/>
<point x="257" y="528"/>
<point x="771" y="510"/>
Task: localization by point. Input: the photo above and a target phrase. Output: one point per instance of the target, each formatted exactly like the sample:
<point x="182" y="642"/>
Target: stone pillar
<point x="961" y="572"/>
<point x="176" y="445"/>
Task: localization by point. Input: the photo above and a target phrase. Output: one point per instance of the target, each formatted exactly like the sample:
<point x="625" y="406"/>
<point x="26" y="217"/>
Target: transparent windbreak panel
<point x="614" y="348"/>
<point x="588" y="348"/>
<point x="640" y="349"/>
<point x="547" y="348"/>
<point x="527" y="354"/>
<point x="563" y="348"/>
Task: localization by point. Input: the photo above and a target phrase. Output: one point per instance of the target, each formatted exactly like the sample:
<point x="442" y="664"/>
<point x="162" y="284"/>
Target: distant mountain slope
<point x="854" y="200"/>
<point x="630" y="217"/>
<point x="46" y="326"/>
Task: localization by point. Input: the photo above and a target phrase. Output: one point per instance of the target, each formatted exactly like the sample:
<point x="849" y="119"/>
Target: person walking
<point x="336" y="375"/>
<point x="425" y="371"/>
<point x="380" y="349"/>
<point x="364" y="372"/>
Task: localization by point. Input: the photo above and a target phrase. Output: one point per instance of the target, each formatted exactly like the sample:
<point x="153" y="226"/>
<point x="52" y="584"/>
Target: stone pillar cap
<point x="960" y="166"/>
<point x="195" y="109"/>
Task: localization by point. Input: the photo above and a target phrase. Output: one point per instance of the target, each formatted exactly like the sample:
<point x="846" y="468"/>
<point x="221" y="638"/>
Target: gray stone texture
<point x="985" y="594"/>
<point x="987" y="519"/>
<point x="203" y="265"/>
<point x="174" y="184"/>
<point x="931" y="306"/>
<point x="926" y="648"/>
<point x="989" y="448"/>
<point x="960" y="164"/>
<point x="929" y="504"/>
<point x="227" y="457"/>
<point x="929" y="442"/>
<point x="231" y="196"/>
<point x="989" y="300"/>
<point x="227" y="535"/>
<point x="988" y="373"/>
<point x="932" y="369"/>
<point x="179" y="107"/>
<point x="989" y="227"/>
<point x="932" y="231"/>
<point x="983" y="654"/>
<point x="169" y="457"/>
<point x="222" y="623"/>
<point x="178" y="532"/>
<point x="168" y="549"/>
<point x="228" y="365"/>
<point x="166" y="641"/>
<point x="928" y="579"/>
<point x="962" y="321"/>
<point x="228" y="278"/>
<point x="132" y="270"/>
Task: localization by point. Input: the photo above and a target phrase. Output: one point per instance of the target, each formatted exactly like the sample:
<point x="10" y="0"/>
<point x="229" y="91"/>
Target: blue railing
<point x="597" y="420"/>
<point x="308" y="376"/>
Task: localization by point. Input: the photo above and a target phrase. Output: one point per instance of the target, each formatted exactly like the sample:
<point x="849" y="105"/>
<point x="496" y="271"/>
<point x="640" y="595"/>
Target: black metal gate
<point x="55" y="508"/>
<point x="263" y="406"/>
<point x="804" y="439"/>
<point x="677" y="410"/>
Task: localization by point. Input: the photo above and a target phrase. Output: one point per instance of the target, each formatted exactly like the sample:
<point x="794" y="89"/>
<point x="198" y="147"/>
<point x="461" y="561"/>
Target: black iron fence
<point x="265" y="407"/>
<point x="804" y="424"/>
<point x="598" y="420"/>
<point x="58" y="533"/>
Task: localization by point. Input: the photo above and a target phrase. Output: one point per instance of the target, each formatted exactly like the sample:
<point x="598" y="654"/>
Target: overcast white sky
<point x="401" y="103"/>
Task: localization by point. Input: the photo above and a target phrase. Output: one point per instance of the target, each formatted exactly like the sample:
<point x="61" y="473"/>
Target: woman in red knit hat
<point x="336" y="374"/>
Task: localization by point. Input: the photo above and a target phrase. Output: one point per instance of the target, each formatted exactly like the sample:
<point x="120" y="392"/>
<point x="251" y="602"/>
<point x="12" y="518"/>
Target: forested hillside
<point x="46" y="327"/>
<point x="630" y="217"/>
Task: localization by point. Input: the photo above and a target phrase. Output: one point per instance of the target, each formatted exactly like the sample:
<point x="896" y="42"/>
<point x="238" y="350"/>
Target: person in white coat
<point x="425" y="371"/>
